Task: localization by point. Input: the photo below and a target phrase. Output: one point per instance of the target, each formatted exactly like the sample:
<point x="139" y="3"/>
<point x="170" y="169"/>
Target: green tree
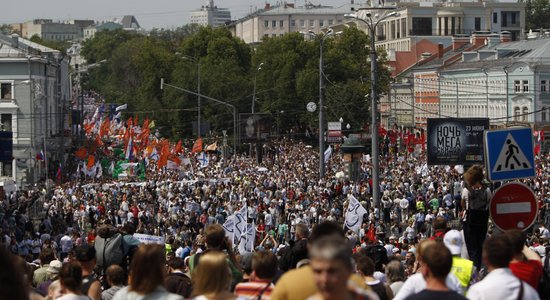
<point x="104" y="43"/>
<point x="536" y="14"/>
<point x="57" y="45"/>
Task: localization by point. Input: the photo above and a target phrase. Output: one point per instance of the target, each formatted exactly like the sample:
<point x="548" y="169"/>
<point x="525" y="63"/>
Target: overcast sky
<point x="149" y="13"/>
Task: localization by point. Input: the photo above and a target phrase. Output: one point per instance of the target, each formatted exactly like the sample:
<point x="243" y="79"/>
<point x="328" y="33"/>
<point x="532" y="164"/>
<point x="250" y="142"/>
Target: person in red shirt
<point x="526" y="264"/>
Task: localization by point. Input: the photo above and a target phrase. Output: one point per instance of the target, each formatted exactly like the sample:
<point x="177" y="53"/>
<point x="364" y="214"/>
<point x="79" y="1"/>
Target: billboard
<point x="6" y="145"/>
<point x="254" y="127"/>
<point x="456" y="141"/>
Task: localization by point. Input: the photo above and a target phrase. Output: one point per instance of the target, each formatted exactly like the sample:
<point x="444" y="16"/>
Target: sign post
<point x="510" y="153"/>
<point x="513" y="206"/>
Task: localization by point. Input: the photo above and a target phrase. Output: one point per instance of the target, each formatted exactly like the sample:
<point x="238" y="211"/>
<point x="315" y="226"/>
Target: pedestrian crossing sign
<point x="510" y="153"/>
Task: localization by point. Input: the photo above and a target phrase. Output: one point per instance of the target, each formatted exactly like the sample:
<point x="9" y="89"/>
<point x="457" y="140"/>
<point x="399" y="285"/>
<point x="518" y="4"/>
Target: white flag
<point x="203" y="159"/>
<point x="354" y="214"/>
<point x="123" y="106"/>
<point x="229" y="228"/>
<point x="328" y="154"/>
<point x="240" y="223"/>
<point x="246" y="242"/>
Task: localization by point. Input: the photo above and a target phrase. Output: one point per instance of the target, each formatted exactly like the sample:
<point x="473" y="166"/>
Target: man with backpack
<point x="475" y="215"/>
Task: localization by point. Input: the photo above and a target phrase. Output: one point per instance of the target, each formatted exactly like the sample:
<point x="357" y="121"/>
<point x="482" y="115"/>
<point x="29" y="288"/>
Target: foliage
<point x="536" y="14"/>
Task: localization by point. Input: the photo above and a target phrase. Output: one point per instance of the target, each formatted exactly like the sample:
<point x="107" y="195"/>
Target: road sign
<point x="510" y="153"/>
<point x="513" y="206"/>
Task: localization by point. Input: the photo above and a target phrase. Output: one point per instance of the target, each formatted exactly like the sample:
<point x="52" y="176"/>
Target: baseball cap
<point x="453" y="241"/>
<point x="54" y="267"/>
<point x="85" y="253"/>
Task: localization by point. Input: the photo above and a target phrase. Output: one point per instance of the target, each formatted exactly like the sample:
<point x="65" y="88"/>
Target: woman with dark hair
<point x="147" y="276"/>
<point x="70" y="278"/>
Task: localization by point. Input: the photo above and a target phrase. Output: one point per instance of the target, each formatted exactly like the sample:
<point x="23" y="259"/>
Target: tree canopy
<point x="229" y="71"/>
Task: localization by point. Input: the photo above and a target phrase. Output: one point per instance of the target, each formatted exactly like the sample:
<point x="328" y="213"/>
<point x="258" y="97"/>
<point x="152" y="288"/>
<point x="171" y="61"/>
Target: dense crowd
<point x="298" y="248"/>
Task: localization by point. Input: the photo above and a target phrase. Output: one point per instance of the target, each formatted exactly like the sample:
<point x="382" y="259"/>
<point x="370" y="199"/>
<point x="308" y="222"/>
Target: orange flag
<point x="91" y="161"/>
<point x="105" y="127"/>
<point x="164" y="152"/>
<point x="197" y="147"/>
<point x="81" y="153"/>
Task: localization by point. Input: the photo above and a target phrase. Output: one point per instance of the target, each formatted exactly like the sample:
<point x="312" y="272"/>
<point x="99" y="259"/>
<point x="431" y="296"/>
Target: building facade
<point x="279" y="20"/>
<point x="54" y="31"/>
<point x="211" y="15"/>
<point x="35" y="97"/>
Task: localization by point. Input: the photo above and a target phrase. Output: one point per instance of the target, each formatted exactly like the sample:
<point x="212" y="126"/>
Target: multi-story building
<point x="278" y="20"/>
<point x="54" y="31"/>
<point x="34" y="100"/>
<point x="211" y="15"/>
<point x="417" y="19"/>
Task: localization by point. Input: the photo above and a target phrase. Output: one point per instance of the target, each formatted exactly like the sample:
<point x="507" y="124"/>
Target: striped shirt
<point x="251" y="290"/>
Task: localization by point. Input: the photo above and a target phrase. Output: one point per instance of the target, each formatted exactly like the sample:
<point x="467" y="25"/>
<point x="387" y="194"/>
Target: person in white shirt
<point x="500" y="283"/>
<point x="416" y="283"/>
<point x="66" y="244"/>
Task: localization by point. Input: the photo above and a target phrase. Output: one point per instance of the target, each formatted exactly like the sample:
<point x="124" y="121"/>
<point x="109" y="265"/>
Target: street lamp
<point x="254" y="92"/>
<point x="372" y="22"/>
<point x="198" y="62"/>
<point x="322" y="38"/>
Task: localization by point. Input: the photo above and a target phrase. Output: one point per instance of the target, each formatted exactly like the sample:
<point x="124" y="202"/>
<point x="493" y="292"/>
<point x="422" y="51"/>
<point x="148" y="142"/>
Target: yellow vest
<point x="462" y="268"/>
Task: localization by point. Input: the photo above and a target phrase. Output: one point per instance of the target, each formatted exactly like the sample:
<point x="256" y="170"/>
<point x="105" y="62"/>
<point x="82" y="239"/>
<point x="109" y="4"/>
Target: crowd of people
<point x="429" y="237"/>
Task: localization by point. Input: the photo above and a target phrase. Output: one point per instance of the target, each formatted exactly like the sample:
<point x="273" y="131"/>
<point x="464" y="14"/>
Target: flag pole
<point x="46" y="162"/>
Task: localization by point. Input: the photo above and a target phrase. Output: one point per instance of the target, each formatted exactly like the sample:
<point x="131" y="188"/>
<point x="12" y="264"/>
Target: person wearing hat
<point x="52" y="275"/>
<point x="40" y="275"/>
<point x="86" y="257"/>
<point x="462" y="268"/>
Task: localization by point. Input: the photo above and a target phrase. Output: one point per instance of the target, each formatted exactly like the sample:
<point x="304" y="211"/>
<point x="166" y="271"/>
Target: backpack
<point x="109" y="247"/>
<point x="477" y="199"/>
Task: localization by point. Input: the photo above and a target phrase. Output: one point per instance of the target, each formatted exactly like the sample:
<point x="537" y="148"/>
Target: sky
<point x="149" y="13"/>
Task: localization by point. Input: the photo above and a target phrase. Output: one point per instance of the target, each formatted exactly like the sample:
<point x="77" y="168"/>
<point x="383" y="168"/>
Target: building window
<point x="266" y="24"/>
<point x="273" y="24"/>
<point x="302" y="23"/>
<point x="524" y="113"/>
<point x="292" y="23"/>
<point x="5" y="122"/>
<point x="517" y="112"/>
<point x="526" y="86"/>
<point x="330" y="22"/>
<point x="477" y="24"/>
<point x="517" y="86"/>
<point x="281" y="23"/>
<point x="311" y="23"/>
<point x="321" y="23"/>
<point x="543" y="114"/>
<point x="495" y="17"/>
<point x="421" y="26"/>
<point x="543" y="86"/>
<point x="5" y="88"/>
<point x="513" y="21"/>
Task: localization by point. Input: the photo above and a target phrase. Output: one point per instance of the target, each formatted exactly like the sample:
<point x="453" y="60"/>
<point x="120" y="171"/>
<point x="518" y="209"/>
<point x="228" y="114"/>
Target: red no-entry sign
<point x="513" y="206"/>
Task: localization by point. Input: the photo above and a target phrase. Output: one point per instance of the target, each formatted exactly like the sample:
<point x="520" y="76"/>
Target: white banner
<point x="149" y="239"/>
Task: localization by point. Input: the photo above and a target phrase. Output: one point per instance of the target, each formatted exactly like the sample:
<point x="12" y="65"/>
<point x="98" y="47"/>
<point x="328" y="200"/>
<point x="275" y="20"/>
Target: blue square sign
<point x="510" y="153"/>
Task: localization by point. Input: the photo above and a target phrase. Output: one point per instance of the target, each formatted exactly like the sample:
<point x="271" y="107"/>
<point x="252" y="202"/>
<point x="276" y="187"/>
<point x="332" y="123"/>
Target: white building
<point x="34" y="105"/>
<point x="211" y="15"/>
<point x="278" y="20"/>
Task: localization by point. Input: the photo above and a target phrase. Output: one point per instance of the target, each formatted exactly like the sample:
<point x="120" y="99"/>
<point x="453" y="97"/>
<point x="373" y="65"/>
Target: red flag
<point x="136" y="121"/>
<point x="178" y="148"/>
<point x="164" y="152"/>
<point x="382" y="131"/>
<point x="197" y="147"/>
<point x="105" y="127"/>
<point x="91" y="161"/>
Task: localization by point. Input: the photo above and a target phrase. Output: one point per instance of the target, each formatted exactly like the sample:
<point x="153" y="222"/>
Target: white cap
<point x="453" y="241"/>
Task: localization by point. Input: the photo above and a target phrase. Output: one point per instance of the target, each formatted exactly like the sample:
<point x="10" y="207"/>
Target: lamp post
<point x="322" y="38"/>
<point x="372" y="22"/>
<point x="198" y="62"/>
<point x="254" y="91"/>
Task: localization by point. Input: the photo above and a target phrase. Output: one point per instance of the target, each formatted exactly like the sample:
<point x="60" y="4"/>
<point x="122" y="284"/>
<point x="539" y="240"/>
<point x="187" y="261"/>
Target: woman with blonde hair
<point x="147" y="274"/>
<point x="212" y="278"/>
